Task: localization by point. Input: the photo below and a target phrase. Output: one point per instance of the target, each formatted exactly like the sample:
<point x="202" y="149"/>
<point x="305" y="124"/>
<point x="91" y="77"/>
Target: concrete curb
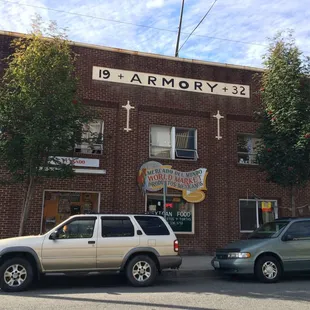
<point x="190" y="274"/>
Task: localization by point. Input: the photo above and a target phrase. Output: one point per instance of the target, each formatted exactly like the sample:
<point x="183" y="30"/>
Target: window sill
<point x="177" y="159"/>
<point x="248" y="165"/>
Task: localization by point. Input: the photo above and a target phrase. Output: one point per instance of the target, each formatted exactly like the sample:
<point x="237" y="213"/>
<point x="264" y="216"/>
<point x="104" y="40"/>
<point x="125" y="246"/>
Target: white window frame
<point x="180" y="196"/>
<point x="257" y="207"/>
<point x="173" y="143"/>
<point x="252" y="136"/>
<point x="86" y="148"/>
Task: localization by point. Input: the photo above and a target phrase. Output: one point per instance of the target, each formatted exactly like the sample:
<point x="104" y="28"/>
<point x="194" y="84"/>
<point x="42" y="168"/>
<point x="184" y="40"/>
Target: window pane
<point x="179" y="213"/>
<point x="247" y="149"/>
<point x="152" y="226"/>
<point x="185" y="138"/>
<point x="160" y="152"/>
<point x="92" y="138"/>
<point x="247" y="215"/>
<point x="299" y="230"/>
<point x="117" y="227"/>
<point x="242" y="144"/>
<point x="161" y="136"/>
<point x="266" y="211"/>
<point x="83" y="228"/>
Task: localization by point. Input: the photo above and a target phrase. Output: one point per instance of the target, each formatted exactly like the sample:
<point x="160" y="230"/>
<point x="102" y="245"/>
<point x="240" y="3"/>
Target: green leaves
<point x="36" y="106"/>
<point x="285" y="118"/>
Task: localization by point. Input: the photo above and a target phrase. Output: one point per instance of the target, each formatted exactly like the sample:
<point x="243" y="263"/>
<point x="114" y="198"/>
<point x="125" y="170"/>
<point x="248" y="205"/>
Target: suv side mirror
<point x="288" y="238"/>
<point x="54" y="235"/>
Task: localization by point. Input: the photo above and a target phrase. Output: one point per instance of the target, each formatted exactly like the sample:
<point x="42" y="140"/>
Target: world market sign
<point x="170" y="82"/>
<point x="153" y="175"/>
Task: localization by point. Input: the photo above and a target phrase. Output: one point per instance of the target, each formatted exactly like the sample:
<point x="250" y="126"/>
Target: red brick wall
<point x="216" y="218"/>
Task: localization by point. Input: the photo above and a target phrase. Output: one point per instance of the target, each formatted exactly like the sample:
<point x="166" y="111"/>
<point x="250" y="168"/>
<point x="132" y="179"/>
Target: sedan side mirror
<point x="54" y="235"/>
<point x="288" y="238"/>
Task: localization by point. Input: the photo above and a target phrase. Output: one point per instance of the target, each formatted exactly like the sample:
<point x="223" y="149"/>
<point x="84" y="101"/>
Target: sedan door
<point x="74" y="248"/>
<point x="295" y="248"/>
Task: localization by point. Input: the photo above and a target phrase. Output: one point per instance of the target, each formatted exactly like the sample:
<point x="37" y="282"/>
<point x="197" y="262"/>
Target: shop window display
<point x="58" y="206"/>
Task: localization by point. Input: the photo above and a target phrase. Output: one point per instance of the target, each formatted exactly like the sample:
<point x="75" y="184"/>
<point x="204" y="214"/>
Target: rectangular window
<point x="179" y="213"/>
<point x="254" y="212"/>
<point x="116" y="227"/>
<point x="152" y="226"/>
<point x="299" y="231"/>
<point x="92" y="138"/>
<point x="77" y="229"/>
<point x="247" y="149"/>
<point x="173" y="143"/>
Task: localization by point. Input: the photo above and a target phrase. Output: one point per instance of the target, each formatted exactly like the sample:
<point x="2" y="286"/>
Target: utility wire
<point x="198" y="24"/>
<point x="132" y="24"/>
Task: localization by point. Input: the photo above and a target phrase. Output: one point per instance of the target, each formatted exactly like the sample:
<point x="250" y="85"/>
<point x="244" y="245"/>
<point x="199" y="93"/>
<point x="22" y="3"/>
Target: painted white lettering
<point x="135" y="78"/>
<point x="198" y="85"/>
<point x="166" y="82"/>
<point x="212" y="87"/>
<point x="152" y="79"/>
<point x="183" y="85"/>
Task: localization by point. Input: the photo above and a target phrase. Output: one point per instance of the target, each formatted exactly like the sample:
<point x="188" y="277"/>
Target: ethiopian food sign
<point x="153" y="175"/>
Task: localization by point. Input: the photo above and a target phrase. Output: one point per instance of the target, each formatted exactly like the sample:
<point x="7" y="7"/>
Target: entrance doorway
<point x="60" y="205"/>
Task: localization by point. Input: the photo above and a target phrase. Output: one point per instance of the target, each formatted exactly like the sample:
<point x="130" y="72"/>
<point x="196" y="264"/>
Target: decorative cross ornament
<point x="218" y="116"/>
<point x="128" y="107"/>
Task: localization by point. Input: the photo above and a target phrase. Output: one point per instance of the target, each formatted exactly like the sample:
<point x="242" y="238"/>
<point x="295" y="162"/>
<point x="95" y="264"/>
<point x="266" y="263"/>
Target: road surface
<point x="112" y="292"/>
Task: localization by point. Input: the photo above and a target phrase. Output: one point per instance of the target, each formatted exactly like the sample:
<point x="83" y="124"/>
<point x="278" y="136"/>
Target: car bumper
<point x="170" y="262"/>
<point x="233" y="266"/>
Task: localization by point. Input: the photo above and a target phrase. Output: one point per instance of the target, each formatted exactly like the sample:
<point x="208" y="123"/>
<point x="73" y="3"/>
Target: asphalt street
<point x="112" y="292"/>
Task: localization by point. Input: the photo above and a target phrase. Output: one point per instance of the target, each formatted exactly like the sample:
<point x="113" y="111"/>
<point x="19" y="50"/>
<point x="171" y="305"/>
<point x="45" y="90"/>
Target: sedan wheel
<point x="268" y="269"/>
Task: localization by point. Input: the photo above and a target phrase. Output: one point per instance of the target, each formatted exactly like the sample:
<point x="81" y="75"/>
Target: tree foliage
<point x="40" y="114"/>
<point x="285" y="116"/>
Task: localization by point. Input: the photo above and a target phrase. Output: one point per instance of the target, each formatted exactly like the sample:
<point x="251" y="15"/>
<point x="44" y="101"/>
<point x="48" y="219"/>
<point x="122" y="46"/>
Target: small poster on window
<point x="266" y="206"/>
<point x="152" y="208"/>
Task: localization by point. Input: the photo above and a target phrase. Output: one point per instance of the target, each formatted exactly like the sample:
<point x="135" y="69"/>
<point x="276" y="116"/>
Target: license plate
<point x="216" y="264"/>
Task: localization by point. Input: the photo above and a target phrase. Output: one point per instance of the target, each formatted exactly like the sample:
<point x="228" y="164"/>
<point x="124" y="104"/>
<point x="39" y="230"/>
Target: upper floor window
<point x="173" y="143"/>
<point x="247" y="149"/>
<point x="92" y="138"/>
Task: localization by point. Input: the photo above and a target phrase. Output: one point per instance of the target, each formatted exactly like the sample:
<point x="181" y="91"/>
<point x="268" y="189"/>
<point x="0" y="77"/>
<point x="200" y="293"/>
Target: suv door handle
<point x="91" y="242"/>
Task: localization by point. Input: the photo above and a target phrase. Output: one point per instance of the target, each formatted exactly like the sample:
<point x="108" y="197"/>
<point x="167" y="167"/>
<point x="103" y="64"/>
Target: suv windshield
<point x="268" y="230"/>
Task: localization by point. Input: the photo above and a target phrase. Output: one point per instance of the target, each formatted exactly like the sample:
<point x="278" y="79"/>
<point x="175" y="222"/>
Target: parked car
<point x="141" y="246"/>
<point x="271" y="250"/>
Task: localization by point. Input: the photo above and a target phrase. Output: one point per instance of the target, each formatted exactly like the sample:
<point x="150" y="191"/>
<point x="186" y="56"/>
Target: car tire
<point x="141" y="271"/>
<point x="268" y="269"/>
<point x="16" y="275"/>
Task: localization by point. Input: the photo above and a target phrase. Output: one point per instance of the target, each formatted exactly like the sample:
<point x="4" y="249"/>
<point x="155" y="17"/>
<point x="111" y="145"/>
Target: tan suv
<point x="139" y="245"/>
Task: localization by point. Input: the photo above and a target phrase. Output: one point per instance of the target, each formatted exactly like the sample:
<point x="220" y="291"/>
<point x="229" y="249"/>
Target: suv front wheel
<point x="141" y="271"/>
<point x="16" y="275"/>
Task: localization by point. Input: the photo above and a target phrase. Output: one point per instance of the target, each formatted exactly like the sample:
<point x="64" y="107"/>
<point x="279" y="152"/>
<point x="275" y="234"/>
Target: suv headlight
<point x="239" y="255"/>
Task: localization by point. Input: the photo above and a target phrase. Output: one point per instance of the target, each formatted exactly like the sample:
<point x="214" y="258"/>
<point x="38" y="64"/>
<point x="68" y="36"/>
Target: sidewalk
<point x="193" y="266"/>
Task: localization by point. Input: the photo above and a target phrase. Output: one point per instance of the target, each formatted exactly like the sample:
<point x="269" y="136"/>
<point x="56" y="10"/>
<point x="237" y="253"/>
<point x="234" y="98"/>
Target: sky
<point x="234" y="32"/>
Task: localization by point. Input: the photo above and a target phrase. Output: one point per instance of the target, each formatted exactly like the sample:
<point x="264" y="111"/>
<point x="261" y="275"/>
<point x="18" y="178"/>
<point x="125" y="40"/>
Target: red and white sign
<point x="76" y="162"/>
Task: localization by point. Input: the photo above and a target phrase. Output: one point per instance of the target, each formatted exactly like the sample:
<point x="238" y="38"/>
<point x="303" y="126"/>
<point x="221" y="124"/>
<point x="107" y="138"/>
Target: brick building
<point x="156" y="108"/>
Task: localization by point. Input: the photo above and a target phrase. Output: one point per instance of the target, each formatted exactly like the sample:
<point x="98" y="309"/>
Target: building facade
<point x="181" y="114"/>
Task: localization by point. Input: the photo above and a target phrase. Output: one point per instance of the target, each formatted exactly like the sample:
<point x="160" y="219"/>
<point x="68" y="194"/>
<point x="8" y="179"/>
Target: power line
<point x="132" y="24"/>
<point x="198" y="24"/>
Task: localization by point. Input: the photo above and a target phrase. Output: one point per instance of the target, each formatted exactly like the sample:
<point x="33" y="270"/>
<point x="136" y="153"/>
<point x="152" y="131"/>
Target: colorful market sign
<point x="105" y="74"/>
<point x="153" y="175"/>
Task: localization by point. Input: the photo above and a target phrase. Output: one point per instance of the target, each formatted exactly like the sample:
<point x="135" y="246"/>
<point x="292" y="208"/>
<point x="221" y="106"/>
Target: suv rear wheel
<point x="268" y="269"/>
<point x="141" y="271"/>
<point x="16" y="275"/>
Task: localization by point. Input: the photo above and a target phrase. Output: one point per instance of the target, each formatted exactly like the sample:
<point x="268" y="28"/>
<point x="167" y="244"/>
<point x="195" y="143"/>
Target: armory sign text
<point x="170" y="82"/>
